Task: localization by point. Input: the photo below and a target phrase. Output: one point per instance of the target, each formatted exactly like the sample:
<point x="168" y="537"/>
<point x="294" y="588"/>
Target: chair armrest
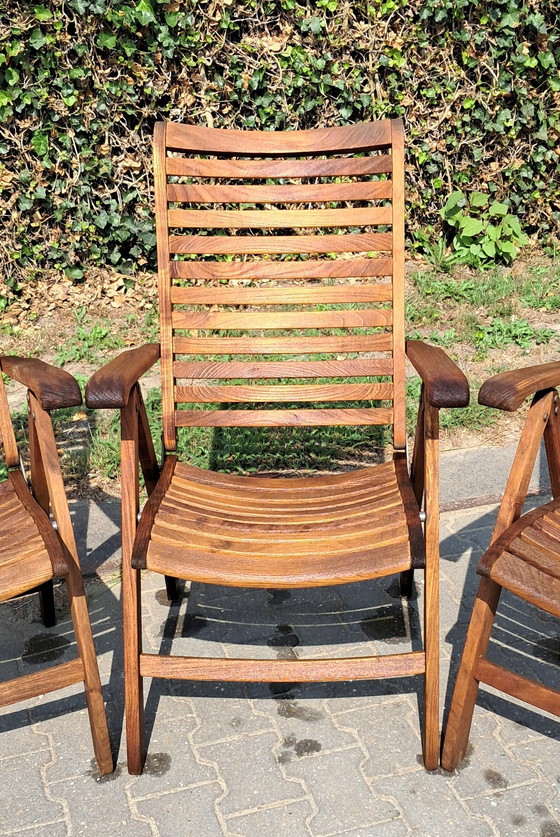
<point x="110" y="386"/>
<point x="445" y="385"/>
<point x="508" y="390"/>
<point x="52" y="387"/>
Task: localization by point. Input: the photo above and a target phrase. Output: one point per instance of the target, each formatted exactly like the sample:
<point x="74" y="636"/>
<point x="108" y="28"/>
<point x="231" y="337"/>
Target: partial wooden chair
<point x="227" y="325"/>
<point x="32" y="552"/>
<point x="523" y="557"/>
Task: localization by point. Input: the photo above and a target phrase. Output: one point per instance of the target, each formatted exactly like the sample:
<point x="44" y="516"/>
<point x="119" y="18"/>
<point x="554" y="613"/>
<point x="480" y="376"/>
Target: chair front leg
<point x="431" y="587"/>
<point x="417" y="479"/>
<point x="44" y="442"/>
<point x="458" y="726"/>
<point x="132" y="627"/>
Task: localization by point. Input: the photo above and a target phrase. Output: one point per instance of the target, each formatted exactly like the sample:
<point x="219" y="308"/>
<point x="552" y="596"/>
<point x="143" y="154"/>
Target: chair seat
<point x="25" y="533"/>
<point x="283" y="532"/>
<point x="526" y="558"/>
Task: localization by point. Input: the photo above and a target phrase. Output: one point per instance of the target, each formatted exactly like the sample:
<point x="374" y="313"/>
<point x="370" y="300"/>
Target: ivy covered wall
<point x="82" y="82"/>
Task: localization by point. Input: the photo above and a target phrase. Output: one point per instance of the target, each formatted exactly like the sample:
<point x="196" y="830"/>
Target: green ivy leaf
<point x="510" y="20"/>
<point x="471" y="226"/>
<point x="144" y="13"/>
<point x="498" y="209"/>
<point x="37" y="39"/>
<point x="40" y="143"/>
<point x="11" y="76"/>
<point x="106" y="41"/>
<point x="478" y="199"/>
<point x="42" y="13"/>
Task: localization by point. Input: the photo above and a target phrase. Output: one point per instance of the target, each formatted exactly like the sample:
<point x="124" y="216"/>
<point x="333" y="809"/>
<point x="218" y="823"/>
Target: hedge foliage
<point x="82" y="82"/>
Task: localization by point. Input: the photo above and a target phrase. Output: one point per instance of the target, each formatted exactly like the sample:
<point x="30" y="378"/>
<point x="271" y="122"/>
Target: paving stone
<point x="227" y="719"/>
<point x="530" y="809"/>
<point x="429" y="806"/>
<point x="23" y="800"/>
<point x="260" y="783"/>
<point x="93" y="803"/>
<point x="400" y="745"/>
<point x="189" y="812"/>
<point x="290" y="819"/>
<point x="341" y="794"/>
<point x="56" y="829"/>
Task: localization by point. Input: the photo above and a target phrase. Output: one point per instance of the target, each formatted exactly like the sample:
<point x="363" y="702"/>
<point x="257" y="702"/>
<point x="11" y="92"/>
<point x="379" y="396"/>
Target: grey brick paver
<point x="233" y="760"/>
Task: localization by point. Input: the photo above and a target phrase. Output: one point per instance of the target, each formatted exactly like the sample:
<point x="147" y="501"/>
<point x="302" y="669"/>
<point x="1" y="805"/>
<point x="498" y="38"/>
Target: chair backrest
<point x="275" y="245"/>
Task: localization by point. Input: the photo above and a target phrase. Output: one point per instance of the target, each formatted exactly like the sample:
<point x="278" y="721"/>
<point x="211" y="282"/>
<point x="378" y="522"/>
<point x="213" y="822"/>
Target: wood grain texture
<point x="522" y="688"/>
<point x="281" y="345"/>
<point x="281" y="296"/>
<point x="255" y="244"/>
<point x="267" y="168"/>
<point x="7" y="435"/>
<point x="282" y="270"/>
<point x="54" y="388"/>
<point x="348" y="417"/>
<point x="131" y="588"/>
<point x="257" y="320"/>
<point x="286" y="533"/>
<point x="251" y="219"/>
<point x="397" y="153"/>
<point x="508" y="390"/>
<point x="456" y="736"/>
<point x="354" y="368"/>
<point x="445" y="384"/>
<point x="369" y="190"/>
<point x="110" y="386"/>
<point x="41" y="682"/>
<point x="205" y="393"/>
<point x="523" y="463"/>
<point x="359" y="137"/>
<point x="283" y="671"/>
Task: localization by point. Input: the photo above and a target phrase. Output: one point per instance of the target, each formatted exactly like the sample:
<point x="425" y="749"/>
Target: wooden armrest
<point x="110" y="386"/>
<point x="508" y="390"/>
<point x="52" y="387"/>
<point x="444" y="383"/>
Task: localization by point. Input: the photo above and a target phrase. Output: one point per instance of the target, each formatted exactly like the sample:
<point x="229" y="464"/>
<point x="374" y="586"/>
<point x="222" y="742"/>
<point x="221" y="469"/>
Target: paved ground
<point x="310" y="760"/>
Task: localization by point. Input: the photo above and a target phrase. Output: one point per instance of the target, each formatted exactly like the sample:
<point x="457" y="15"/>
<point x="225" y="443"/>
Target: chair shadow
<point x="524" y="638"/>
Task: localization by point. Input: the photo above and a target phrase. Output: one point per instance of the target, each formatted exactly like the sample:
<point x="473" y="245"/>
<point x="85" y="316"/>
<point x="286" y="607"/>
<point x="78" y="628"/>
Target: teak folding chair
<point x="32" y="552"/>
<point x="523" y="557"/>
<point x="324" y="238"/>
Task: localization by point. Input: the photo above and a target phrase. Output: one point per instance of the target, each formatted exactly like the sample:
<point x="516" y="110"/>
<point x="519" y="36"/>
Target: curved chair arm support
<point x="110" y="386"/>
<point x="53" y="388"/>
<point x="444" y="383"/>
<point x="508" y="390"/>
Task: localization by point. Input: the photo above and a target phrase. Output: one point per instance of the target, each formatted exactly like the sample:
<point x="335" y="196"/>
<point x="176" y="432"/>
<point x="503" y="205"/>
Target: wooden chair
<point x="32" y="553"/>
<point x="523" y="557"/>
<point x="223" y="300"/>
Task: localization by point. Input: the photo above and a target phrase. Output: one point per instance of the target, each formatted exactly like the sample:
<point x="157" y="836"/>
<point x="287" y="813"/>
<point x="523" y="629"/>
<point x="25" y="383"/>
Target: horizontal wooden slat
<point x="281" y="296"/>
<point x="290" y="392"/>
<point x="357" y="137"/>
<point x="264" y="169"/>
<point x="282" y="671"/>
<point x="367" y="190"/>
<point x="279" y="345"/>
<point x="280" y="270"/>
<point x="251" y="219"/>
<point x="522" y="688"/>
<point x="224" y="244"/>
<point x="360" y="318"/>
<point x="284" y="418"/>
<point x="41" y="682"/>
<point x="356" y="368"/>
